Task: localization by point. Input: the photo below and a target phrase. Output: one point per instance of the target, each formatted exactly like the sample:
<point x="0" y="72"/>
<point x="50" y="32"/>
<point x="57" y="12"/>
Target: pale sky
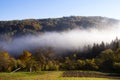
<point x="26" y="9"/>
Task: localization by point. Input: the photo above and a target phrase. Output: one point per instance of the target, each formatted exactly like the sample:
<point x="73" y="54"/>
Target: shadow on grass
<point x="90" y="74"/>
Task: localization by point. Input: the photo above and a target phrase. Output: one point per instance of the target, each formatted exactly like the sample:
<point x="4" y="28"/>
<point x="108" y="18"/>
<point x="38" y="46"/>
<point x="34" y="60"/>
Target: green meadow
<point x="44" y="75"/>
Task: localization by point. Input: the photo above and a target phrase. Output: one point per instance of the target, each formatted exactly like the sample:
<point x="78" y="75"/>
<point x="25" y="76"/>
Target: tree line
<point x="99" y="57"/>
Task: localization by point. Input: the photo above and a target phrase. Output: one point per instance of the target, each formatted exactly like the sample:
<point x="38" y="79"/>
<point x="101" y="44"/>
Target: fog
<point x="66" y="40"/>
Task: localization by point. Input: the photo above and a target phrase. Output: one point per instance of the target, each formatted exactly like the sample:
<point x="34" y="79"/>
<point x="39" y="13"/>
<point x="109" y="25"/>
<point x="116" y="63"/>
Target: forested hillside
<point x="9" y="29"/>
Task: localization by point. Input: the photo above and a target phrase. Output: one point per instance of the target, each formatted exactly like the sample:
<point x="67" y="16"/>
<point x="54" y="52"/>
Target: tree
<point x="7" y="63"/>
<point x="116" y="66"/>
<point x="43" y="56"/>
<point x="52" y="66"/>
<point x="90" y="64"/>
<point x="105" y="59"/>
<point x="27" y="61"/>
<point x="106" y="55"/>
<point x="117" y="55"/>
<point x="80" y="64"/>
<point x="32" y="64"/>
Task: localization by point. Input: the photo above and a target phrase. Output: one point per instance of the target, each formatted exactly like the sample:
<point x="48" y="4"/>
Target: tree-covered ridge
<point x="34" y="26"/>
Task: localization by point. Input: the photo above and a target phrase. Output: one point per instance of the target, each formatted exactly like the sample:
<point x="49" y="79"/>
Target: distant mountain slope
<point x="14" y="28"/>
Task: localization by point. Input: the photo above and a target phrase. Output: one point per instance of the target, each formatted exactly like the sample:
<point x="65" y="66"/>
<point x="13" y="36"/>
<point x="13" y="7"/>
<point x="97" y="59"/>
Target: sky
<point x="38" y="9"/>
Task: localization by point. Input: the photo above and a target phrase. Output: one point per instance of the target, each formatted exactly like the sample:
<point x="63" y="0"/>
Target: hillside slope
<point x="9" y="29"/>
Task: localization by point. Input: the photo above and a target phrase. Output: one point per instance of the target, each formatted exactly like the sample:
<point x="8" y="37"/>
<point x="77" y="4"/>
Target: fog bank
<point x="67" y="40"/>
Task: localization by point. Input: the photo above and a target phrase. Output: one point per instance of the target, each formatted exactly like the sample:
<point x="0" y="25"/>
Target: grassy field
<point x="43" y="75"/>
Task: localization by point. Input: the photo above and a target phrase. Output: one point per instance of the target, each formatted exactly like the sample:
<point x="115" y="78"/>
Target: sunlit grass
<point x="43" y="75"/>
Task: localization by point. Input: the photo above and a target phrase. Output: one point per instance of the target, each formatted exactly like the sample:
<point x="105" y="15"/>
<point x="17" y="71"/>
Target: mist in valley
<point x="75" y="39"/>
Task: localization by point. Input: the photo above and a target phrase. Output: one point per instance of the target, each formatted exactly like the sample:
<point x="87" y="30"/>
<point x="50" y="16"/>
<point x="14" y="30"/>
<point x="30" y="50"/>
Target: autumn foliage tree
<point x="28" y="62"/>
<point x="7" y="63"/>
